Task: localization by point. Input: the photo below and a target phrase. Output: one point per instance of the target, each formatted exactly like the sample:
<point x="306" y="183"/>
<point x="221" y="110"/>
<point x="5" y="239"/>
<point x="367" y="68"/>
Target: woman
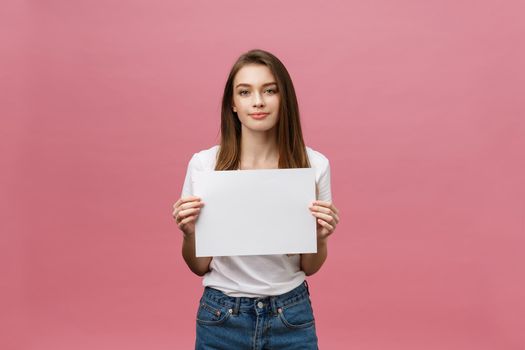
<point x="257" y="301"/>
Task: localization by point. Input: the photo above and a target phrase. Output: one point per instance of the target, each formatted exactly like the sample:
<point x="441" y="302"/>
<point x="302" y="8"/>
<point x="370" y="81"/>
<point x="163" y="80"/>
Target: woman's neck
<point x="259" y="150"/>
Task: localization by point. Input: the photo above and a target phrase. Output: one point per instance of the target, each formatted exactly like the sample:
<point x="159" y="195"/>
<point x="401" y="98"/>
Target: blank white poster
<point x="255" y="212"/>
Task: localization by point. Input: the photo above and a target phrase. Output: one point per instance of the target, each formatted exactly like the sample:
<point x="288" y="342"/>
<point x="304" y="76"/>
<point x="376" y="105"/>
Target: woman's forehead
<point x="254" y="74"/>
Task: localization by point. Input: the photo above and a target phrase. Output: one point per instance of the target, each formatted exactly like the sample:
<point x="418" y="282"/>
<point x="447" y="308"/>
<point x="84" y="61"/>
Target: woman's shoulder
<point x="205" y="158"/>
<point x="209" y="153"/>
<point x="317" y="159"/>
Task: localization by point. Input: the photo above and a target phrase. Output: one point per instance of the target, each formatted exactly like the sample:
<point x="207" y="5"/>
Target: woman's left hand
<point x="327" y="218"/>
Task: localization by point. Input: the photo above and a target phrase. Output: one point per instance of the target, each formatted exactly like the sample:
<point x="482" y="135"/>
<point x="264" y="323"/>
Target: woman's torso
<point x="258" y="275"/>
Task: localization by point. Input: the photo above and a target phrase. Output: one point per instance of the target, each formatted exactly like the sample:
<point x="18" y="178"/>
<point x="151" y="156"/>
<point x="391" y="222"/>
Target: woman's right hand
<point x="185" y="212"/>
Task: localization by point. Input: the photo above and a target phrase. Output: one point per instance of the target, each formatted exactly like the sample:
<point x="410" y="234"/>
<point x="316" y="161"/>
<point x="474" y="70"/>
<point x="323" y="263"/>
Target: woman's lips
<point x="258" y="115"/>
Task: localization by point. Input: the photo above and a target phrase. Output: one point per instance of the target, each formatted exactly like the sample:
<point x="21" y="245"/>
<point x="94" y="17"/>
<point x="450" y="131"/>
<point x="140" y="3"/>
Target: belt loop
<point x="306" y="285"/>
<point x="236" y="306"/>
<point x="272" y="303"/>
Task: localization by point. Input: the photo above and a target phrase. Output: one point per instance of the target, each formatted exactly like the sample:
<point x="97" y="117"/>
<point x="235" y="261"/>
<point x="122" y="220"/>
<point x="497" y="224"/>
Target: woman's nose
<point x="258" y="100"/>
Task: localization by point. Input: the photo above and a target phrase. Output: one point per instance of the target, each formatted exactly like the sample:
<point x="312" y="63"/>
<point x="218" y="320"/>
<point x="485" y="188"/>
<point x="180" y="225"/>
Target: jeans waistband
<point x="274" y="302"/>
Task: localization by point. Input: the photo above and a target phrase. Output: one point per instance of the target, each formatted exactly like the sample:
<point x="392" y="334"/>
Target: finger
<point x="192" y="204"/>
<point x="178" y="214"/>
<point x="327" y="204"/>
<point x="188" y="199"/>
<point x="325" y="217"/>
<point x="188" y="212"/>
<point x="175" y="212"/>
<point x="336" y="217"/>
<point x="177" y="218"/>
<point x="326" y="225"/>
<point x="186" y="220"/>
<point x="326" y="211"/>
<point x="322" y="203"/>
<point x="321" y="209"/>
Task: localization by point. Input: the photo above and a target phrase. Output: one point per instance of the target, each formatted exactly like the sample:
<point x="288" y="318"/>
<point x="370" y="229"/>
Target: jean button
<point x="260" y="304"/>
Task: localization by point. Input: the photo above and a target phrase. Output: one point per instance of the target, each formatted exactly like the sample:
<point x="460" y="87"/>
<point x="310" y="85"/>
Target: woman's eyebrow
<point x="244" y="84"/>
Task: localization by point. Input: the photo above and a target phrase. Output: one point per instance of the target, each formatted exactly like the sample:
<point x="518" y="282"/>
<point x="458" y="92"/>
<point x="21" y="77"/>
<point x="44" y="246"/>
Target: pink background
<point x="418" y="104"/>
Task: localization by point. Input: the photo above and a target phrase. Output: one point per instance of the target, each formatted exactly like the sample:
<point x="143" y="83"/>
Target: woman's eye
<point x="246" y="92"/>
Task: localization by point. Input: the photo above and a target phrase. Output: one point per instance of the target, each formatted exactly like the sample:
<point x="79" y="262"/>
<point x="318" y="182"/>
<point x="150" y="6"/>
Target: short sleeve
<point x="324" y="192"/>
<point x="187" y="188"/>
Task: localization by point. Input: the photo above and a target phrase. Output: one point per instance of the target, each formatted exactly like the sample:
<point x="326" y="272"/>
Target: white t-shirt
<point x="256" y="275"/>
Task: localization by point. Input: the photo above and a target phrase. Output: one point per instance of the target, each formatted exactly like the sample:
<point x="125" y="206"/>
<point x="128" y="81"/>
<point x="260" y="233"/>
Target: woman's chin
<point x="259" y="128"/>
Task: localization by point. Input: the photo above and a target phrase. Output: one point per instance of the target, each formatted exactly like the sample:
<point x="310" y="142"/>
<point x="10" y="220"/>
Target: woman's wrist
<point x="188" y="236"/>
<point x="322" y="242"/>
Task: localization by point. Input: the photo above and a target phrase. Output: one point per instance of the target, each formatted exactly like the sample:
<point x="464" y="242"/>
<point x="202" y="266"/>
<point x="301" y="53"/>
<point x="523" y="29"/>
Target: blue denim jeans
<point x="284" y="321"/>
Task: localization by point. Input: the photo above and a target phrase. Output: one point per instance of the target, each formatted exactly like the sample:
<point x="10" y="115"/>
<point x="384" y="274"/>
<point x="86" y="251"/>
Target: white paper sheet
<point x="255" y="212"/>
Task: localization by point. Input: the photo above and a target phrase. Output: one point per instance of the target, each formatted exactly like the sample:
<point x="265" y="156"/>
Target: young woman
<point x="257" y="302"/>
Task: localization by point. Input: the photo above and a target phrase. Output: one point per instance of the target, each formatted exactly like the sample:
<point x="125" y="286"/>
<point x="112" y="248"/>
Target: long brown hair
<point x="292" y="150"/>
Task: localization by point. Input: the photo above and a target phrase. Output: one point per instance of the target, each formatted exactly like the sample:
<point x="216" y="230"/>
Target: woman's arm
<point x="327" y="218"/>
<point x="311" y="263"/>
<point x="185" y="212"/>
<point x="199" y="265"/>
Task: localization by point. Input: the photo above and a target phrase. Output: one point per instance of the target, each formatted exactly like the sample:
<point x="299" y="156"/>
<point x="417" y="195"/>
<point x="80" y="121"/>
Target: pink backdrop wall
<point x="418" y="104"/>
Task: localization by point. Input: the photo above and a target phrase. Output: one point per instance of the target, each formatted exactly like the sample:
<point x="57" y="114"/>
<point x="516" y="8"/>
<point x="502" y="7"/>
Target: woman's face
<point x="256" y="98"/>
